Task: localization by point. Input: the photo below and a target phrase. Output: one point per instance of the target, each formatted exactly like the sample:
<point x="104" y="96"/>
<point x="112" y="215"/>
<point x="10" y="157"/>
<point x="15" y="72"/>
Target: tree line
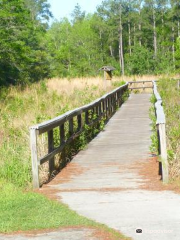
<point x="135" y="36"/>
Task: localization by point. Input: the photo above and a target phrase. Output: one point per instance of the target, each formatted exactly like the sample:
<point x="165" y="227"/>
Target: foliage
<point x="140" y="62"/>
<point x="31" y="50"/>
<point x="23" y="57"/>
<point x="154" y="148"/>
<point x="171" y="101"/>
<point x="82" y="46"/>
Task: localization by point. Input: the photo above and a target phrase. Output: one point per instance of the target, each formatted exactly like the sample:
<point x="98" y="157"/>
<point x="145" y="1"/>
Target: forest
<point x="134" y="36"/>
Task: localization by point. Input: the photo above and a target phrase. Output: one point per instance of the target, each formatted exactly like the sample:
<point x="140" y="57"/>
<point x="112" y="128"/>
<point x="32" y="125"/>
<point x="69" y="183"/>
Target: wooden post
<point x="163" y="152"/>
<point x="50" y="149"/>
<point x="62" y="134"/>
<point x="87" y="117"/>
<point x="100" y="108"/>
<point x="71" y="127"/>
<point x="97" y="111"/>
<point x="107" y="108"/>
<point x="79" y="118"/>
<point x="34" y="158"/>
<point x="62" y="141"/>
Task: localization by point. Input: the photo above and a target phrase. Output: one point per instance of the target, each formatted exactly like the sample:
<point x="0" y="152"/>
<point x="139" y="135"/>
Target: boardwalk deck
<point x="125" y="139"/>
<point x="103" y="182"/>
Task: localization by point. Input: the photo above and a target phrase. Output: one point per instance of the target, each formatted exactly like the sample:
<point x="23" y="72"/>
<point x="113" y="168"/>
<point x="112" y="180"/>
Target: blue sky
<point x="63" y="8"/>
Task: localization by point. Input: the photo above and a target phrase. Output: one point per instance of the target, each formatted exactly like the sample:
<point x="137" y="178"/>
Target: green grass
<point x="29" y="211"/>
<point x="171" y="103"/>
<point x="24" y="211"/>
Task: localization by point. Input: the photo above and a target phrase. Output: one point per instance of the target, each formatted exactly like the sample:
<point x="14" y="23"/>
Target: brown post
<point x="34" y="158"/>
<point x="50" y="149"/>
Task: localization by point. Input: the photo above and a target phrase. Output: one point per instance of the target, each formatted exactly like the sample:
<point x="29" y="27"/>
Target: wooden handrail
<point x="140" y="87"/>
<point x="103" y="107"/>
<point x="161" y="128"/>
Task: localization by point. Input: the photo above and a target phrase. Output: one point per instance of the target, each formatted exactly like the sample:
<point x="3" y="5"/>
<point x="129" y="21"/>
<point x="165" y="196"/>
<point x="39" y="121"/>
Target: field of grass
<point x="171" y="102"/>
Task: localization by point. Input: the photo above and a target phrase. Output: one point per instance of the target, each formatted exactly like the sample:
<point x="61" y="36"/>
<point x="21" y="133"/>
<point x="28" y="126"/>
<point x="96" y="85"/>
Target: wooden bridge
<point x="124" y="129"/>
<point x="105" y="181"/>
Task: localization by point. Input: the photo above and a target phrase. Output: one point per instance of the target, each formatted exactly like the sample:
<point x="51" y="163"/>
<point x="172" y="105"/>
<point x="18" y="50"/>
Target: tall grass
<point x="21" y="108"/>
<point x="171" y="101"/>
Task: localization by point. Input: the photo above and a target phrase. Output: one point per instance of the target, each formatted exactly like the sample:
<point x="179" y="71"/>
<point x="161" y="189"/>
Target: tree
<point x="140" y="62"/>
<point x="77" y="14"/>
<point x="150" y="7"/>
<point x="21" y="51"/>
<point x="39" y="10"/>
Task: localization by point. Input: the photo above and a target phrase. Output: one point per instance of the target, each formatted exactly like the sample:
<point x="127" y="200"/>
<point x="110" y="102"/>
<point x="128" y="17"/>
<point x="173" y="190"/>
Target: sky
<point x="63" y="8"/>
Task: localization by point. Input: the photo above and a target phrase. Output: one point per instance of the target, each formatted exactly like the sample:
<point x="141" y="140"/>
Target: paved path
<point x="66" y="234"/>
<point x="103" y="183"/>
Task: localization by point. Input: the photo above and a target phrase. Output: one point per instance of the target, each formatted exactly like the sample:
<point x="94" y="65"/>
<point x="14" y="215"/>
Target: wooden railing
<point x="137" y="85"/>
<point x="103" y="107"/>
<point x="161" y="128"/>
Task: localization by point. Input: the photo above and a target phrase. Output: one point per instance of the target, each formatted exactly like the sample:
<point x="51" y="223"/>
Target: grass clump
<point x="154" y="137"/>
<point x="25" y="211"/>
<point x="29" y="211"/>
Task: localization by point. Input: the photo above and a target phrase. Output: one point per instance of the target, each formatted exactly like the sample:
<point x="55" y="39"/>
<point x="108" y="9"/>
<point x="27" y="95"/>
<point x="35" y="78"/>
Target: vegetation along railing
<point x="136" y="85"/>
<point x="161" y="129"/>
<point x="75" y="122"/>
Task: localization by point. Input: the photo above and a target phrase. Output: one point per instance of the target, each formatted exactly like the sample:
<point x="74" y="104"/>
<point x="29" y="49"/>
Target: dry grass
<point x="39" y="102"/>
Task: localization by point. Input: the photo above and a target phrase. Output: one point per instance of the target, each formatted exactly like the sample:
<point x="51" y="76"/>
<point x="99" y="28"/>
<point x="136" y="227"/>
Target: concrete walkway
<point x="66" y="234"/>
<point x="104" y="184"/>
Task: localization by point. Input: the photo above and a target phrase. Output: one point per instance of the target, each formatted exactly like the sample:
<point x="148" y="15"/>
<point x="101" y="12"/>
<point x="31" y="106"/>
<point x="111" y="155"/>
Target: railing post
<point x="163" y="152"/>
<point x="79" y="118"/>
<point x="34" y="158"/>
<point x="50" y="149"/>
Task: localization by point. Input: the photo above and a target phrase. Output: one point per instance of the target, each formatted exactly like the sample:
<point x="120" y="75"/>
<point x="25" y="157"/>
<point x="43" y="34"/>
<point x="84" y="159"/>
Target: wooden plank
<point x="71" y="127"/>
<point x="148" y="81"/>
<point x="132" y="88"/>
<point x="62" y="134"/>
<point x="34" y="158"/>
<point x="79" y="119"/>
<point x="163" y="152"/>
<point x="50" y="149"/>
<point x="87" y="117"/>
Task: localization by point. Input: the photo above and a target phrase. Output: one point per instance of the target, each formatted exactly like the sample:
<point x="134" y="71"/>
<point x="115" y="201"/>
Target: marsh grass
<point x="171" y="102"/>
